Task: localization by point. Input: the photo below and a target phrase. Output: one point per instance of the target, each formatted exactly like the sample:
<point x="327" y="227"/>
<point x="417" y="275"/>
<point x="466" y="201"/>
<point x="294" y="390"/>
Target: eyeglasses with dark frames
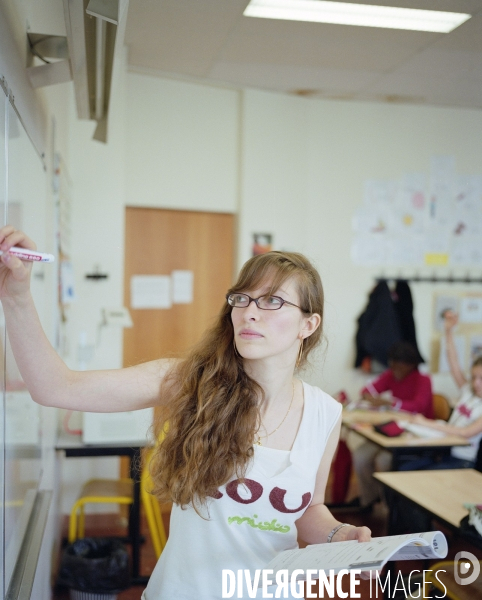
<point x="263" y="302"/>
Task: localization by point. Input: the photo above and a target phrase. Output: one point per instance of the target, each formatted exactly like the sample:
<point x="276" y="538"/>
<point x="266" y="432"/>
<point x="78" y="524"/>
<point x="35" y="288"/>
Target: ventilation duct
<point x="95" y="37"/>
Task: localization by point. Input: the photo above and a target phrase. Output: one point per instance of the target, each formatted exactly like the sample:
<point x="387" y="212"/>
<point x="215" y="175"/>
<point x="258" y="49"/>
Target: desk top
<point x="362" y="422"/>
<point x="443" y="493"/>
<point x="352" y="417"/>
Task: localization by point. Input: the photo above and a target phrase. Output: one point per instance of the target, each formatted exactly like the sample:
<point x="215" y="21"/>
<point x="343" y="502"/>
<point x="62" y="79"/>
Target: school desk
<point x="407" y="444"/>
<point x="441" y="494"/>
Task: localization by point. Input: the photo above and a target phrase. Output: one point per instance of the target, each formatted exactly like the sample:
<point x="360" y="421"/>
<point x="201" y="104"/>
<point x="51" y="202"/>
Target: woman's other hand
<point x="14" y="273"/>
<point x="359" y="534"/>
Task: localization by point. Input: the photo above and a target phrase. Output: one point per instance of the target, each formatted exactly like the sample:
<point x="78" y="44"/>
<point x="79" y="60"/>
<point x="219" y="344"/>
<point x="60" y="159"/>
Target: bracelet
<point x="335" y="529"/>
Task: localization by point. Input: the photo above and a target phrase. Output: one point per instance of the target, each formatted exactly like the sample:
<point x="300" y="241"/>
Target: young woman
<point x="248" y="445"/>
<point x="466" y="417"/>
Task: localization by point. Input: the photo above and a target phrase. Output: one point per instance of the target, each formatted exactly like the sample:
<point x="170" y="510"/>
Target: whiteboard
<point x="23" y="204"/>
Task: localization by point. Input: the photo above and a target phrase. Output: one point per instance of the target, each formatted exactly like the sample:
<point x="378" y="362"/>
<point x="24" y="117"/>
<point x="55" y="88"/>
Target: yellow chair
<point x="152" y="509"/>
<point x="441" y="407"/>
<point x="120" y="491"/>
<point x="98" y="491"/>
<point x="445" y="578"/>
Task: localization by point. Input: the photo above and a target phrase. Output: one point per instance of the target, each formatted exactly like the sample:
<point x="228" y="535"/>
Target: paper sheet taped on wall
<point x="442" y="186"/>
<point x="411" y="204"/>
<point x="150" y="291"/>
<point x="182" y="287"/>
<point x="407" y="249"/>
<point x="471" y="309"/>
<point x="367" y="249"/>
<point x="466" y="250"/>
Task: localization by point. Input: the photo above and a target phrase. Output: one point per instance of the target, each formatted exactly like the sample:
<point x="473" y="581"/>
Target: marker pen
<point x="31" y="255"/>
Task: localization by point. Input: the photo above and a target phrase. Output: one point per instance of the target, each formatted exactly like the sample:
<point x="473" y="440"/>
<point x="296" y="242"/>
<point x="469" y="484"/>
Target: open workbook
<point x="353" y="555"/>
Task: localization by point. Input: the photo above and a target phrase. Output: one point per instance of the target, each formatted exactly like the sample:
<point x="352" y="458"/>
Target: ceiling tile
<point x="179" y="35"/>
<point x="211" y="41"/>
<point x="321" y="45"/>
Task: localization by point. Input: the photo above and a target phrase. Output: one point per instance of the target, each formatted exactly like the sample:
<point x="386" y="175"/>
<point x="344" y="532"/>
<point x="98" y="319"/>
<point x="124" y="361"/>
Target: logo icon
<point x="462" y="563"/>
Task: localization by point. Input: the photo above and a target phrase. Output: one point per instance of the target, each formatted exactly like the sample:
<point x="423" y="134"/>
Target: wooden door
<point x="159" y="241"/>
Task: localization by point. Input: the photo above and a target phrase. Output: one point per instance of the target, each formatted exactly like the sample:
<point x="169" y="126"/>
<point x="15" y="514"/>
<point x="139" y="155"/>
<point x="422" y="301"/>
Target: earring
<point x="300" y="354"/>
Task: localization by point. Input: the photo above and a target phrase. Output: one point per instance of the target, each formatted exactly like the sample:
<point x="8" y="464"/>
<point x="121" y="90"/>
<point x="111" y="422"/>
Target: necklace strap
<point x="258" y="441"/>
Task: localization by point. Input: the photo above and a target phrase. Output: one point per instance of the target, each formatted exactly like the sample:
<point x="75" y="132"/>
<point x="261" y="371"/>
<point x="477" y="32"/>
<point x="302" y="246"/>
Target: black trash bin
<point x="95" y="569"/>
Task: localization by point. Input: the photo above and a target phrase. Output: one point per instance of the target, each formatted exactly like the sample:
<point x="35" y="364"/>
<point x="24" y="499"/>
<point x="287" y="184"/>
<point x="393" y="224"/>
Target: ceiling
<point x="211" y="41"/>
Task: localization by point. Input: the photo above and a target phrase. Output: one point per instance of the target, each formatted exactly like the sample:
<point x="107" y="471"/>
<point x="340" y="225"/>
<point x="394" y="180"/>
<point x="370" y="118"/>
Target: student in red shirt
<point x="408" y="390"/>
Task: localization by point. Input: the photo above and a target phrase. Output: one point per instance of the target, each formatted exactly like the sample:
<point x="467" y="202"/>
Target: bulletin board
<point x="467" y="334"/>
<point x="430" y="218"/>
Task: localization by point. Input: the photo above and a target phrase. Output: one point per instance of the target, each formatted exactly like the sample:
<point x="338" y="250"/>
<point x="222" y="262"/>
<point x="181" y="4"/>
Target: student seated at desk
<point x="466" y="417"/>
<point x="411" y="391"/>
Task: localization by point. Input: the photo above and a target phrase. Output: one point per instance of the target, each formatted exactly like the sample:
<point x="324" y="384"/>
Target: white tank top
<point x="247" y="524"/>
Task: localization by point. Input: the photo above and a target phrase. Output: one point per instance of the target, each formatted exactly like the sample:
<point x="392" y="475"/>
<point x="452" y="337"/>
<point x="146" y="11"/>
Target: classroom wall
<point x="314" y="156"/>
<point x="291" y="166"/>
<point x="182" y="145"/>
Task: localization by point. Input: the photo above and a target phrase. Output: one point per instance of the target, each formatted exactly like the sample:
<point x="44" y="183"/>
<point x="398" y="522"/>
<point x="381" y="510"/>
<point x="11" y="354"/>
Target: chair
<point x="444" y="572"/>
<point x="98" y="491"/>
<point x="478" y="458"/>
<point x="441" y="407"/>
<point x="152" y="509"/>
<point x="120" y="491"/>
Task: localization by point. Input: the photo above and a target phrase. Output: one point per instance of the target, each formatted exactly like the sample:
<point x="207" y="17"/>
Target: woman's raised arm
<point x="48" y="379"/>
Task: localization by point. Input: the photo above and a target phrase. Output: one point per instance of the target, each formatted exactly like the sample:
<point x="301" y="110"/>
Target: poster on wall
<point x="182" y="287"/>
<point x="432" y="219"/>
<point x="151" y="291"/>
<point x="262" y="243"/>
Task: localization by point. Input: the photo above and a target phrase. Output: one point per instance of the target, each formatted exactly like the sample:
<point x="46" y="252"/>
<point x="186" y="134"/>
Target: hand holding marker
<point x="30" y="255"/>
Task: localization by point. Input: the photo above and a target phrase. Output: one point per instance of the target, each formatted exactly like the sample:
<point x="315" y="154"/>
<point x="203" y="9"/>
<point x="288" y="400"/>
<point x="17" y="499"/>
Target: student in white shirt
<point x="466" y="417"/>
<point x="248" y="446"/>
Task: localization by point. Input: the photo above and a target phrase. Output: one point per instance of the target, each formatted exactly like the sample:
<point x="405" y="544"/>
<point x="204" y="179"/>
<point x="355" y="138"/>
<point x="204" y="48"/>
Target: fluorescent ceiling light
<point x="366" y="15"/>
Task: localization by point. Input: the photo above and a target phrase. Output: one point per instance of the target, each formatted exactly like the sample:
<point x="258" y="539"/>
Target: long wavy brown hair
<point x="212" y="404"/>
